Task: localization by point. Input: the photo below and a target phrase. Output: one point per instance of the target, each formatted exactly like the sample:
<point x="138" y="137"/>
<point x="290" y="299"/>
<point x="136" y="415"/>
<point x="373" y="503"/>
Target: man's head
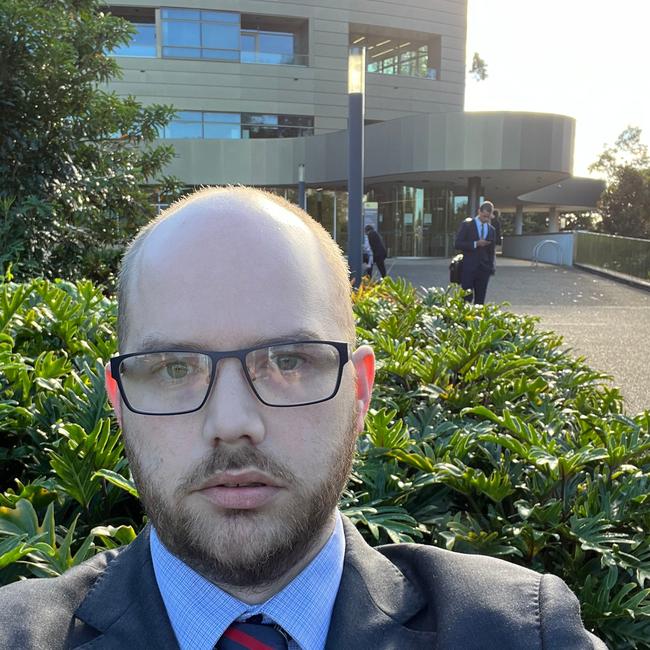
<point x="239" y="489"/>
<point x="368" y="228"/>
<point x="485" y="211"/>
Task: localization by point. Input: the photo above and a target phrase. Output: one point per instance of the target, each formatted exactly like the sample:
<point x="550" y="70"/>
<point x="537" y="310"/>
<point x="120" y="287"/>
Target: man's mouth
<point x="245" y="490"/>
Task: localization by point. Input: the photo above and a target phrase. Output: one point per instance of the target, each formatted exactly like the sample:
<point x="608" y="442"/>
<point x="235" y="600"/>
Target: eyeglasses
<point x="174" y="382"/>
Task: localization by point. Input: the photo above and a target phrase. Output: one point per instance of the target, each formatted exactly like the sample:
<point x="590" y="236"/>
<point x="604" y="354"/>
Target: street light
<point x="356" y="92"/>
<point x="301" y="186"/>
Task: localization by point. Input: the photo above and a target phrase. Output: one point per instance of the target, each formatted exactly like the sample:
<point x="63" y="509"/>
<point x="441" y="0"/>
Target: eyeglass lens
<point x="280" y="375"/>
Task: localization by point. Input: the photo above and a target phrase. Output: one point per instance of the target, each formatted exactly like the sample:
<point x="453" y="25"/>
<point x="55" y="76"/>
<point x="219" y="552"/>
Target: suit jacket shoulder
<point x="415" y="596"/>
<point x="110" y="602"/>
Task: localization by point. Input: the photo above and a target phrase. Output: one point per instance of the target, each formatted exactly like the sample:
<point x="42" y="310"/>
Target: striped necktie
<point x="252" y="635"/>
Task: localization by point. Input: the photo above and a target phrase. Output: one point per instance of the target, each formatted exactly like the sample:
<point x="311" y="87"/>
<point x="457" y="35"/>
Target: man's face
<point x="485" y="215"/>
<point x="239" y="490"/>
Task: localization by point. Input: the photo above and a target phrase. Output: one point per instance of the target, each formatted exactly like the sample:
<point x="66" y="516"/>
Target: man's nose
<point x="232" y="411"/>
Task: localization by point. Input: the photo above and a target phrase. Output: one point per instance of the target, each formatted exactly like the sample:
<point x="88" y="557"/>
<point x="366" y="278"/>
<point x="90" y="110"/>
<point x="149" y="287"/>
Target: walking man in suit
<point x="378" y="250"/>
<point x="477" y="239"/>
<point x="241" y="396"/>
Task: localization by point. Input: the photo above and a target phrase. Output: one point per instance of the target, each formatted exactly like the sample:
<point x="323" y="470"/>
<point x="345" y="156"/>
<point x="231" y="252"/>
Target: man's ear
<point x="363" y="359"/>
<point x="113" y="392"/>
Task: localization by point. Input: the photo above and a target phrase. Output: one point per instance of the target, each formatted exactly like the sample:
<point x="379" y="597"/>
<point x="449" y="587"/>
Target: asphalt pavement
<point x="603" y="320"/>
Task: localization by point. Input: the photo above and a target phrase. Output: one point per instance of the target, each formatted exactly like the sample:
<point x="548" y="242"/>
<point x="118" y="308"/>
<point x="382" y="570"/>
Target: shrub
<point x="484" y="437"/>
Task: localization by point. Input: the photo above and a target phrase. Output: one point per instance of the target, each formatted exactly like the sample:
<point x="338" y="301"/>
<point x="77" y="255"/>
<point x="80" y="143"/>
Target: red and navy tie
<point x="252" y="635"/>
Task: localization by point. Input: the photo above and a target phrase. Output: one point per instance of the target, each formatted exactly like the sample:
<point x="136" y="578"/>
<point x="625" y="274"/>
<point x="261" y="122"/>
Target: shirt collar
<point x="200" y="612"/>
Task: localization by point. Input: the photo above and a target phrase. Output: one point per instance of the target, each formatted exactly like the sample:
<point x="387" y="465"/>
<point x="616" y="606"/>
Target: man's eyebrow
<point x="154" y="342"/>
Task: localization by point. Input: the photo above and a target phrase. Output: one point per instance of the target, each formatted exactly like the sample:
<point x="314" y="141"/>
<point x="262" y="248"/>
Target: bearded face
<point x="243" y="547"/>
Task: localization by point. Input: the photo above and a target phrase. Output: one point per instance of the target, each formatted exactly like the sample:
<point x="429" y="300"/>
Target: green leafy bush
<point x="56" y="430"/>
<point x="484" y="437"/>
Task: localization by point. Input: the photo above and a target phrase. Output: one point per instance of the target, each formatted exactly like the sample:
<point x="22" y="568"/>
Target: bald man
<point x="240" y="398"/>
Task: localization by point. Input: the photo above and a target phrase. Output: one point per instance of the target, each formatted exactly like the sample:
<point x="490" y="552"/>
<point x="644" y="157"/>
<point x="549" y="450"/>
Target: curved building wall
<point x="441" y="147"/>
<point x="318" y="89"/>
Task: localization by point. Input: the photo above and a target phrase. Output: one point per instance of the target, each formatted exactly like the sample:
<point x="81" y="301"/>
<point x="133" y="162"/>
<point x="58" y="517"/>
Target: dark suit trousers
<point x="476" y="280"/>
<point x="381" y="266"/>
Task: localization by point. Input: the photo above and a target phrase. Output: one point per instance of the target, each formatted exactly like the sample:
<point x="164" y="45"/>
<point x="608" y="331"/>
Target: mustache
<point x="223" y="460"/>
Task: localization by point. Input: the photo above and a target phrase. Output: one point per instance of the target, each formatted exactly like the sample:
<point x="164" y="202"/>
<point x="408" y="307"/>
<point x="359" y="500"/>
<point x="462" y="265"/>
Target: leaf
<point x="118" y="480"/>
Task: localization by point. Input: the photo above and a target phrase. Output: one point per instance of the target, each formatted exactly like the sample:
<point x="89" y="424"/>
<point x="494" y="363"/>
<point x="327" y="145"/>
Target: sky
<point x="588" y="59"/>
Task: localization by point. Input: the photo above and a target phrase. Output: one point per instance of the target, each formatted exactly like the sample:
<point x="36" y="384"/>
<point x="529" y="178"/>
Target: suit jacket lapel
<point x="125" y="604"/>
<point x="374" y="602"/>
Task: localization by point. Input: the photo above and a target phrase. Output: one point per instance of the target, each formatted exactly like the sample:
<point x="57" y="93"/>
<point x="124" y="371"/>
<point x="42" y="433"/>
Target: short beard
<point x="253" y="550"/>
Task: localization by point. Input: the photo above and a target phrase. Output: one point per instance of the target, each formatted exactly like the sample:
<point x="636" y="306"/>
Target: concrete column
<point x="553" y="220"/>
<point x="519" y="219"/>
<point x="473" y="194"/>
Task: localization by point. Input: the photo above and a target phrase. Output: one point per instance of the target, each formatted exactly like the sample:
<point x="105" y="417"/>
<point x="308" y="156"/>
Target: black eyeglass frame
<point x="343" y="350"/>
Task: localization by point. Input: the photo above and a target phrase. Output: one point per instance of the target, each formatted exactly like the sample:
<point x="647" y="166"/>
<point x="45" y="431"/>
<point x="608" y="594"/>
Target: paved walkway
<point x="605" y="321"/>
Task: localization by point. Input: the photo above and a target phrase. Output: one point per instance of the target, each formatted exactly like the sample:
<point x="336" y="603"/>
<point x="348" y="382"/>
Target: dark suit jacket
<point x="376" y="245"/>
<point x="475" y="259"/>
<point x="401" y="597"/>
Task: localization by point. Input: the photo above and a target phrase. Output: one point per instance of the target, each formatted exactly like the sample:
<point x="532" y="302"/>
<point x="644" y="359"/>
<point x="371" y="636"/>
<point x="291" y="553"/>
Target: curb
<point x="630" y="280"/>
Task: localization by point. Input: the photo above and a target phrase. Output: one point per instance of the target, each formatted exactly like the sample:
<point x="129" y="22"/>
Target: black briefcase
<point x="455" y="269"/>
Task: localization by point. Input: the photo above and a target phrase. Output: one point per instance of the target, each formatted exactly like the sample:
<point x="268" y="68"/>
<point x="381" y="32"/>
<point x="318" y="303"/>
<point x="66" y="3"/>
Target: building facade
<point x="260" y="87"/>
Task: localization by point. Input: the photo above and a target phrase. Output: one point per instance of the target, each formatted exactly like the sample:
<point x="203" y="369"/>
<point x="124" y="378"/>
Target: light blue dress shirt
<point x="480" y="227"/>
<point x="200" y="611"/>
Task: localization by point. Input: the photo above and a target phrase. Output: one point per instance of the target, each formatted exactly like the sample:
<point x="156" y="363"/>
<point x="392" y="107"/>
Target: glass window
<point x="256" y="118"/>
<point x="142" y="44"/>
<point x="230" y="118"/>
<point x="188" y="115"/>
<point x="217" y="36"/>
<point x="397" y="56"/>
<point x="200" y="34"/>
<point x="268" y="47"/>
<point x="182" y="130"/>
<point x="220" y="16"/>
<point x="212" y="130"/>
<point x="296" y="120"/>
<point x="186" y="124"/>
<point x="275" y="48"/>
<point x="231" y="126"/>
<point x="183" y="14"/>
<point x="178" y="33"/>
<point x="248" y="44"/>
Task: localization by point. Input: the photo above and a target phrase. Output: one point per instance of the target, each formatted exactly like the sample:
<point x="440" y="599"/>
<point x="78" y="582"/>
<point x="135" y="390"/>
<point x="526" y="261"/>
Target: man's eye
<point x="177" y="370"/>
<point x="287" y="363"/>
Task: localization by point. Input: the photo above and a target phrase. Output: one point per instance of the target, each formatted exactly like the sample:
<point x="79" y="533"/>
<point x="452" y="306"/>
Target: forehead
<point x="228" y="273"/>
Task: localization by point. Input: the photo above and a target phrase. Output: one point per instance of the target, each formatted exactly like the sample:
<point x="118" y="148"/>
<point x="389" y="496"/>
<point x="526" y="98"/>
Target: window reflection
<point x="142" y="44"/>
<point x="267" y="47"/>
<point x="200" y="34"/>
<point x="217" y="35"/>
<point x="415" y="55"/>
<point x="233" y="126"/>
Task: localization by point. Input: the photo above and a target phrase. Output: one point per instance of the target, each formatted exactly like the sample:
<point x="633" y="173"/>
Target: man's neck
<point x="261" y="593"/>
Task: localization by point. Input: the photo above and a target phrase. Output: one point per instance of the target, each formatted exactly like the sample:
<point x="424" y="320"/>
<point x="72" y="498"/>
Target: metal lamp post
<point x="356" y="96"/>
<point x="301" y="187"/>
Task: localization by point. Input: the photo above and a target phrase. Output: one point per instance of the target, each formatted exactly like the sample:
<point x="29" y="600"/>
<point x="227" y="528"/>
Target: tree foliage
<point x="77" y="168"/>
<point x="484" y="436"/>
<point x="625" y="204"/>
<point x="479" y="68"/>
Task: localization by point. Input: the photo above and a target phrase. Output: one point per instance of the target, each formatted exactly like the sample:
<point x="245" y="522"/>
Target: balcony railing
<point x="625" y="255"/>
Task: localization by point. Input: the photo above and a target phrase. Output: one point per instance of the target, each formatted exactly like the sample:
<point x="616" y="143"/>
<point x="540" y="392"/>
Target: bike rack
<point x="541" y="244"/>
